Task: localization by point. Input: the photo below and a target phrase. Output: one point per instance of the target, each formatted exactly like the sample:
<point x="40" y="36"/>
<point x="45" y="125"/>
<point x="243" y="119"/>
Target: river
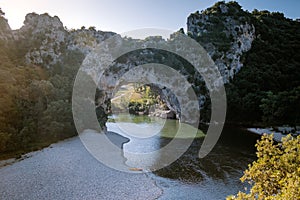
<point x="66" y="170"/>
<point x="213" y="177"/>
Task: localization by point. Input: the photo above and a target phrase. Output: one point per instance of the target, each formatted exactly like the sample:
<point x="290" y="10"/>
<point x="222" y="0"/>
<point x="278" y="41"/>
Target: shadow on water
<point x="213" y="177"/>
<point x="231" y="155"/>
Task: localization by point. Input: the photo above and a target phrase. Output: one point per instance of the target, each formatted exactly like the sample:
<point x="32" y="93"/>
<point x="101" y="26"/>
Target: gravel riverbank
<point x="66" y="170"/>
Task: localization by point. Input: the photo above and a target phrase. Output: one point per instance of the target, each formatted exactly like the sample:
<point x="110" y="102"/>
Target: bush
<point x="4" y="141"/>
<point x="276" y="173"/>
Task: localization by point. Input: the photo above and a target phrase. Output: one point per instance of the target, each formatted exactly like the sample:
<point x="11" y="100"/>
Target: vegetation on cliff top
<point x="268" y="86"/>
<point x="266" y="89"/>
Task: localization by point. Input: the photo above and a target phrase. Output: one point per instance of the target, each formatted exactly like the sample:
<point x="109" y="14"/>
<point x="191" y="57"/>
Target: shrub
<point x="276" y="173"/>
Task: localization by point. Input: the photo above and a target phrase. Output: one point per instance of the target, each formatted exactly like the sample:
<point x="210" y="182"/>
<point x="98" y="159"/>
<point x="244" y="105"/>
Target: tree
<point x="276" y="173"/>
<point x="283" y="107"/>
<point x="1" y="13"/>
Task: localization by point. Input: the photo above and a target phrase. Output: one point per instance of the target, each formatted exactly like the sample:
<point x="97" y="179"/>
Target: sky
<point x="122" y="16"/>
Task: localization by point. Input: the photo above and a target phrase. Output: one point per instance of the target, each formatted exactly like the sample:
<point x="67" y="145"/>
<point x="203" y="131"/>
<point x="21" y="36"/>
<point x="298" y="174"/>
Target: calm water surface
<point x="213" y="177"/>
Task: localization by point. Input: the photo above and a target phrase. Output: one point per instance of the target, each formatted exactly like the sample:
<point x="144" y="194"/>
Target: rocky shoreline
<point x="278" y="132"/>
<point x="164" y="114"/>
<point x="66" y="170"/>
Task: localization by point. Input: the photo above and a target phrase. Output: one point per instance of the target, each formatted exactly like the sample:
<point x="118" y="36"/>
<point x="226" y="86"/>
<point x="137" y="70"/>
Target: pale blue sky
<point x="121" y="16"/>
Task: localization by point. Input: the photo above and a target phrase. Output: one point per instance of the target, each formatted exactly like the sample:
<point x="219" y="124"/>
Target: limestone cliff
<point x="5" y="30"/>
<point x="46" y="39"/>
<point x="226" y="32"/>
<point x="47" y="36"/>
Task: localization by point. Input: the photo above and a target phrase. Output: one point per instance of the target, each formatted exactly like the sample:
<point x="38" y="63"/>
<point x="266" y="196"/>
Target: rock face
<point x="226" y="33"/>
<point x="48" y="35"/>
<point x="85" y="40"/>
<point x="50" y="39"/>
<point x="165" y="114"/>
<point x="5" y="30"/>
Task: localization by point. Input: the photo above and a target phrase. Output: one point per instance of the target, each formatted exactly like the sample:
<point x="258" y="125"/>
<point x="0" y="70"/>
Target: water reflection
<point x="213" y="177"/>
<point x="150" y="138"/>
<point x="137" y="119"/>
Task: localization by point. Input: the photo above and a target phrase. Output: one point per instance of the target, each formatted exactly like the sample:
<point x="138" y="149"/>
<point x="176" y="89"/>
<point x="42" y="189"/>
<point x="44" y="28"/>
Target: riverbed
<point x="66" y="170"/>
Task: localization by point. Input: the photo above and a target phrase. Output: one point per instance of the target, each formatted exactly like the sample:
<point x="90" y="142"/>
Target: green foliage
<point x="142" y="102"/>
<point x="282" y="108"/>
<point x="35" y="103"/>
<point x="217" y="25"/>
<point x="56" y="121"/>
<point x="276" y="173"/>
<point x="14" y="83"/>
<point x="233" y="8"/>
<point x="101" y="115"/>
<point x="270" y="67"/>
<point x="4" y="141"/>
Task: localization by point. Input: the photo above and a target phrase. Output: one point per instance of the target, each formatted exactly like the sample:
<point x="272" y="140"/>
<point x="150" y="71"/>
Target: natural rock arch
<point x="103" y="59"/>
